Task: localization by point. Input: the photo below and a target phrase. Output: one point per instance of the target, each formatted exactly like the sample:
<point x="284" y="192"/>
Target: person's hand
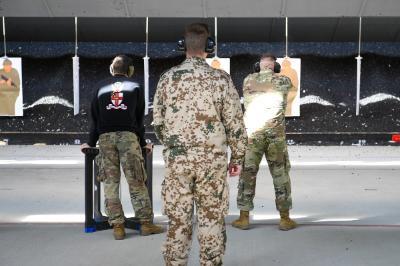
<point x="2" y="81"/>
<point x="234" y="169"/>
<point x="84" y="146"/>
<point x="149" y="148"/>
<point x="9" y="82"/>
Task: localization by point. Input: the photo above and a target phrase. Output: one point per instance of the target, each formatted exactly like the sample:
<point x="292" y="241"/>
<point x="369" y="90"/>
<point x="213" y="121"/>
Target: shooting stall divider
<point x="75" y="71"/>
<point x="94" y="219"/>
<point x="146" y="70"/>
<point x="358" y="58"/>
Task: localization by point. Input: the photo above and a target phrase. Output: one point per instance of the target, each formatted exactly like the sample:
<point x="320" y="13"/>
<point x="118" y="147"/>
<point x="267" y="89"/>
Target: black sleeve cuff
<point x="92" y="142"/>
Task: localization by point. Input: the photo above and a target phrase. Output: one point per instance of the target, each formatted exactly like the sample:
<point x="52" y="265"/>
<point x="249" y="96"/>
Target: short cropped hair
<point x="268" y="55"/>
<point x="7" y="62"/>
<point x="121" y="63"/>
<point x="196" y="35"/>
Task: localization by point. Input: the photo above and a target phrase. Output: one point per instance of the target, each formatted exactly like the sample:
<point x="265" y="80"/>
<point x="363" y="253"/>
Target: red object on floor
<point x="396" y="138"/>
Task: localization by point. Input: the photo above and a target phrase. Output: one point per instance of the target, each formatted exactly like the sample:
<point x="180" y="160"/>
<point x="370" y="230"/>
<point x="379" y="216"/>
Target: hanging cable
<point x="359" y="58"/>
<point x="147" y="36"/>
<point x="216" y="35"/>
<point x="286" y="36"/>
<point x="76" y="36"/>
<point x="359" y="36"/>
<point x="4" y="36"/>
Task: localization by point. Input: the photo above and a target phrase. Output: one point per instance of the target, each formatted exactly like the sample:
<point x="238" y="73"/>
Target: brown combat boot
<point x="148" y="228"/>
<point x="243" y="221"/>
<point x="119" y="231"/>
<point x="286" y="223"/>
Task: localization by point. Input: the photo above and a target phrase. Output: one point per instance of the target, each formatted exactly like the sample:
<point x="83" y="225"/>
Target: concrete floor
<point x="263" y="245"/>
<point x="346" y="200"/>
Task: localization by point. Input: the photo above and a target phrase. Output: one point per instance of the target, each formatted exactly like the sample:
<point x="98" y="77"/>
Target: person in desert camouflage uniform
<point x="265" y="96"/>
<point x="197" y="114"/>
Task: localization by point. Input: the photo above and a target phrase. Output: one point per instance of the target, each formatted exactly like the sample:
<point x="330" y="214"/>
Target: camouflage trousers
<point x="195" y="178"/>
<point x="275" y="149"/>
<point x="123" y="148"/>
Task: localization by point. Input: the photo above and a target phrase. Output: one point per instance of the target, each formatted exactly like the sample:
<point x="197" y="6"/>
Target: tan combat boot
<point x="243" y="221"/>
<point x="119" y="231"/>
<point x="286" y="223"/>
<point x="148" y="228"/>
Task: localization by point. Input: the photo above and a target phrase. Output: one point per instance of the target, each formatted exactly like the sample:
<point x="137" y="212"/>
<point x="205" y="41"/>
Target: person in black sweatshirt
<point x="117" y="113"/>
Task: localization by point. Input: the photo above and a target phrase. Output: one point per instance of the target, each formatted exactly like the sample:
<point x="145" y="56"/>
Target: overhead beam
<point x="203" y="8"/>
<point x="376" y="29"/>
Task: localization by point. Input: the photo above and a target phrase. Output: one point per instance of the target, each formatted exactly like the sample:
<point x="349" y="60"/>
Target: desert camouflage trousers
<point x="123" y="148"/>
<point x="273" y="145"/>
<point x="195" y="177"/>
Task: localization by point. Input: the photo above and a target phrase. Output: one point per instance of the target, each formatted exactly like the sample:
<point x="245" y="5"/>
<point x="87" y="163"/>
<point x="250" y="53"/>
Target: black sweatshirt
<point x="118" y="105"/>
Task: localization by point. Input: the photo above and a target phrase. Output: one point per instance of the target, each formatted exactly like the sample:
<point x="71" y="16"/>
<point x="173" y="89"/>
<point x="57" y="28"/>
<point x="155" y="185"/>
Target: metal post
<point x="75" y="71"/>
<point x="146" y="70"/>
<point x="89" y="222"/>
<point x="149" y="172"/>
<point x="359" y="58"/>
<point x="97" y="195"/>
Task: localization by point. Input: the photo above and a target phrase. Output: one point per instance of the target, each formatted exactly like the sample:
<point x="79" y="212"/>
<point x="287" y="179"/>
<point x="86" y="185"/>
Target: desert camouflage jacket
<point x="198" y="106"/>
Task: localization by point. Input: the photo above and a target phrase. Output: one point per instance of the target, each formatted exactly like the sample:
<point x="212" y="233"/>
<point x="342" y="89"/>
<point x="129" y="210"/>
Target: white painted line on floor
<point x="159" y="163"/>
<point x="338" y="219"/>
<point x="54" y="218"/>
<point x="346" y="163"/>
<point x="257" y="217"/>
<point x="324" y="163"/>
<point x="41" y="162"/>
<point x="60" y="218"/>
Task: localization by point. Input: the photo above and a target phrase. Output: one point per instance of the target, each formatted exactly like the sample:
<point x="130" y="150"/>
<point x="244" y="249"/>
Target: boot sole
<point x="150" y="233"/>
<point x="119" y="238"/>
<point x="242" y="227"/>
<point x="287" y="229"/>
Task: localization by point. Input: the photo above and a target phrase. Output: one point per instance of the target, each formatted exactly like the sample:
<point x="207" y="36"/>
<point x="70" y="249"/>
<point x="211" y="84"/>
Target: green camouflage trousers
<point x="122" y="148"/>
<point x="275" y="149"/>
<point x="195" y="177"/>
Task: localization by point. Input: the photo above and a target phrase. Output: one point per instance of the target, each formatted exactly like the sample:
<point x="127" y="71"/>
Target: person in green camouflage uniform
<point x="117" y="114"/>
<point x="197" y="115"/>
<point x="265" y="96"/>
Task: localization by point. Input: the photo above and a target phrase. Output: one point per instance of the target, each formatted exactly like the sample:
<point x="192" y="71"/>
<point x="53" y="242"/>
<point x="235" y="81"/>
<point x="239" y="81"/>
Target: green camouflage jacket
<point x="265" y="98"/>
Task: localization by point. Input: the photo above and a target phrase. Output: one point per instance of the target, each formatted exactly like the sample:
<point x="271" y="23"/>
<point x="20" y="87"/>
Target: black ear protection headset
<point x="210" y="45"/>
<point x="277" y="67"/>
<point x="127" y="60"/>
